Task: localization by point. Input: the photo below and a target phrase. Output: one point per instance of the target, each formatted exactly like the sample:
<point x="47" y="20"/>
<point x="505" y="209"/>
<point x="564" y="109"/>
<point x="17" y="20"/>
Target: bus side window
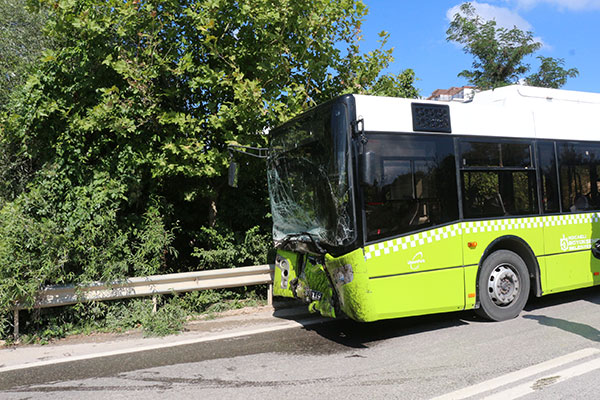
<point x="397" y="179"/>
<point x="498" y="178"/>
<point x="417" y="185"/>
<point x="579" y="165"/>
<point x="548" y="174"/>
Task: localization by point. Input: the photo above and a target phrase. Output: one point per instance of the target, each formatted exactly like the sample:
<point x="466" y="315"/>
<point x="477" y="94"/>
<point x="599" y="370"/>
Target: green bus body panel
<point x="436" y="270"/>
<point x="529" y="229"/>
<point x="569" y="261"/>
<point x="425" y="251"/>
<point x="421" y="293"/>
<point x="563" y="275"/>
<point x="417" y="274"/>
<point x="470" y="285"/>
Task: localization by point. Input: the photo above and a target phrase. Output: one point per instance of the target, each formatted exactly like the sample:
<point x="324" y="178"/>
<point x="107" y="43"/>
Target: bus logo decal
<point x="564" y="243"/>
<point x="416" y="260"/>
<point x="576" y="242"/>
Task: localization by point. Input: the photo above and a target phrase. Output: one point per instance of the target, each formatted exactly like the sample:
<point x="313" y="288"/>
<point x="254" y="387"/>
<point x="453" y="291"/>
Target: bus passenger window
<point x="548" y="171"/>
<point x="498" y="193"/>
<point x="397" y="176"/>
<point x="579" y="166"/>
<point x="416" y="185"/>
<point x="498" y="178"/>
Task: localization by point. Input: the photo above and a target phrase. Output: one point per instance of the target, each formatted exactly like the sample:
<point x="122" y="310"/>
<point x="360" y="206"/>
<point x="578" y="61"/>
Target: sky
<point x="568" y="29"/>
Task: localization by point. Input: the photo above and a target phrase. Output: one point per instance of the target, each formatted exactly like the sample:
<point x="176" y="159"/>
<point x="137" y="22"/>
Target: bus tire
<point x="503" y="286"/>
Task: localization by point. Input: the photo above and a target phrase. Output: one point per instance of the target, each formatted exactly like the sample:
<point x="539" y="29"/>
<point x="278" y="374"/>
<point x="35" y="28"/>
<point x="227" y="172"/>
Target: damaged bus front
<point x="313" y="206"/>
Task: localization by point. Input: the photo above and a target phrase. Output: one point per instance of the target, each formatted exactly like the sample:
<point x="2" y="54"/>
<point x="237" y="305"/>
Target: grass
<point x="43" y="325"/>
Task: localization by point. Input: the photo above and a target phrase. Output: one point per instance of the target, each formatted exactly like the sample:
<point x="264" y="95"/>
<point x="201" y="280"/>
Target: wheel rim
<point x="503" y="285"/>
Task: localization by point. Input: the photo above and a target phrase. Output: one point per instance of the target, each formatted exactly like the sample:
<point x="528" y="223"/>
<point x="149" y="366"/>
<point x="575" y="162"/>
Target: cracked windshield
<point x="308" y="179"/>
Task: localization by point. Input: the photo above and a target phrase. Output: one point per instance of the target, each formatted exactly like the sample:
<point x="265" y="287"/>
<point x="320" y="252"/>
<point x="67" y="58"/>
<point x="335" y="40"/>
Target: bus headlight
<point x="284" y="265"/>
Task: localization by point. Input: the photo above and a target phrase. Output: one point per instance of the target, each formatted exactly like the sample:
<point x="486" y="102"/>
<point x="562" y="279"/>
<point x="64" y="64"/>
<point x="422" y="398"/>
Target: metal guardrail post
<point x="16" y="326"/>
<point x="154" y="304"/>
<point x="270" y="294"/>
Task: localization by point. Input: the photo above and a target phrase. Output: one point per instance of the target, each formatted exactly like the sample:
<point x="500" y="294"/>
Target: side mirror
<point x="258" y="152"/>
<point x="370" y="168"/>
<point x="233" y="174"/>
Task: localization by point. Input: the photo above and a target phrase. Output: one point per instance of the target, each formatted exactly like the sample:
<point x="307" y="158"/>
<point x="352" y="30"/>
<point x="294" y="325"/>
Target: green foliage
<point x="551" y="73"/>
<point x="117" y="317"/>
<point x="362" y="73"/>
<point x="167" y="320"/>
<point x="113" y="155"/>
<point x="57" y="233"/>
<point x="131" y="314"/>
<point x="225" y="250"/>
<point x="21" y="45"/>
<point x="499" y="53"/>
<point x="214" y="301"/>
<point x="43" y="325"/>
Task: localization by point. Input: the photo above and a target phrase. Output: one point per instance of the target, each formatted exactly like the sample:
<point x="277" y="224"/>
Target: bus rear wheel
<point x="503" y="286"/>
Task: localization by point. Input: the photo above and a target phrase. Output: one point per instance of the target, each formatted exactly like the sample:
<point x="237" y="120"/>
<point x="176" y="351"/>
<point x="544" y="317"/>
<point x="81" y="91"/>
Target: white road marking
<point x="518" y="375"/>
<point x="552" y="379"/>
<point x="279" y="327"/>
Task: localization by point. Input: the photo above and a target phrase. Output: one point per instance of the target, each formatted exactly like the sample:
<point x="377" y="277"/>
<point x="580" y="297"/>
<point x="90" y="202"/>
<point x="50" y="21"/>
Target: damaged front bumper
<point x="304" y="277"/>
<point x="331" y="286"/>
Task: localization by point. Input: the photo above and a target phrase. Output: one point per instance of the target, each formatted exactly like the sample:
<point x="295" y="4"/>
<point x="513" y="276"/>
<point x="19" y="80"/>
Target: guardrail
<point x="61" y="295"/>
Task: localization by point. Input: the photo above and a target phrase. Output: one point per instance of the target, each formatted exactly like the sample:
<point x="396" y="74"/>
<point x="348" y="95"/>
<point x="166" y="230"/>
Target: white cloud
<point x="504" y="17"/>
<point x="572" y="5"/>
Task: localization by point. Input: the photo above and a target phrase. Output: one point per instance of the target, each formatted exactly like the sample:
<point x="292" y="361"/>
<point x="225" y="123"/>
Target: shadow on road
<point x="576" y="328"/>
<point x="591" y="294"/>
<point x="356" y="335"/>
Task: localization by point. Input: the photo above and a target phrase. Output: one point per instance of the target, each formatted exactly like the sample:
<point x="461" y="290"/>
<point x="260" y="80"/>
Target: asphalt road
<point x="552" y="351"/>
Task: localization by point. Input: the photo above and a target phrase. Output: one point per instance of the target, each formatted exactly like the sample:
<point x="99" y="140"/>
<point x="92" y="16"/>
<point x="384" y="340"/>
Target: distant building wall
<point x="463" y="93"/>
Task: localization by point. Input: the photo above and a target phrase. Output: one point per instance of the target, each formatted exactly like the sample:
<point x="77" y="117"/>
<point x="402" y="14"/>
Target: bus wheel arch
<point x="512" y="261"/>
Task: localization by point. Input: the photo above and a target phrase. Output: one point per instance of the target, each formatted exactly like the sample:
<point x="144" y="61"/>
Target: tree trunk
<point x="212" y="213"/>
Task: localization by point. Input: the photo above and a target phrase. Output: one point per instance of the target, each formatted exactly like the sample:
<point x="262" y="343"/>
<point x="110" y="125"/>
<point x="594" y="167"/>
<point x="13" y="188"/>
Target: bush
<point x="54" y="233"/>
<point x="43" y="325"/>
<point x="224" y="249"/>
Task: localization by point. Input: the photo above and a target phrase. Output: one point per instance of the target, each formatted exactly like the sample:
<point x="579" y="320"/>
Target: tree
<point x="115" y="153"/>
<point x="551" y="73"/>
<point x="21" y="45"/>
<point x="499" y="53"/>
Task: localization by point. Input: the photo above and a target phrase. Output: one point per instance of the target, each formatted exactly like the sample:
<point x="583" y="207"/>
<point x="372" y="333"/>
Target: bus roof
<point x="511" y="111"/>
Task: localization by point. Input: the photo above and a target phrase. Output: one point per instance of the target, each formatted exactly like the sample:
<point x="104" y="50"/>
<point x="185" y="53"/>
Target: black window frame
<point x="362" y="196"/>
<point x="535" y="167"/>
<point x="555" y="172"/>
<point x="497" y="140"/>
<point x="560" y="163"/>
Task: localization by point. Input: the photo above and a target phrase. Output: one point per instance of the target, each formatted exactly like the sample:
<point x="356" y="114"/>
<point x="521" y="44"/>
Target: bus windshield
<point x="309" y="188"/>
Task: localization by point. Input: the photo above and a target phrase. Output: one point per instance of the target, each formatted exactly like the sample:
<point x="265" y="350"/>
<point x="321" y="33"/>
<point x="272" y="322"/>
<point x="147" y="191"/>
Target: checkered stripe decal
<point x="571" y="219"/>
<point x="394" y="245"/>
<point x="497" y="225"/>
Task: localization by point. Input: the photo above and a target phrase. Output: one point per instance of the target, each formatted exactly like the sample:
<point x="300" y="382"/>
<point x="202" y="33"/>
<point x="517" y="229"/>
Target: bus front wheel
<point x="503" y="286"/>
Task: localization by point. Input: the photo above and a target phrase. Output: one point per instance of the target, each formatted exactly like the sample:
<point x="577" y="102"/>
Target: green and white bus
<point x="388" y="207"/>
